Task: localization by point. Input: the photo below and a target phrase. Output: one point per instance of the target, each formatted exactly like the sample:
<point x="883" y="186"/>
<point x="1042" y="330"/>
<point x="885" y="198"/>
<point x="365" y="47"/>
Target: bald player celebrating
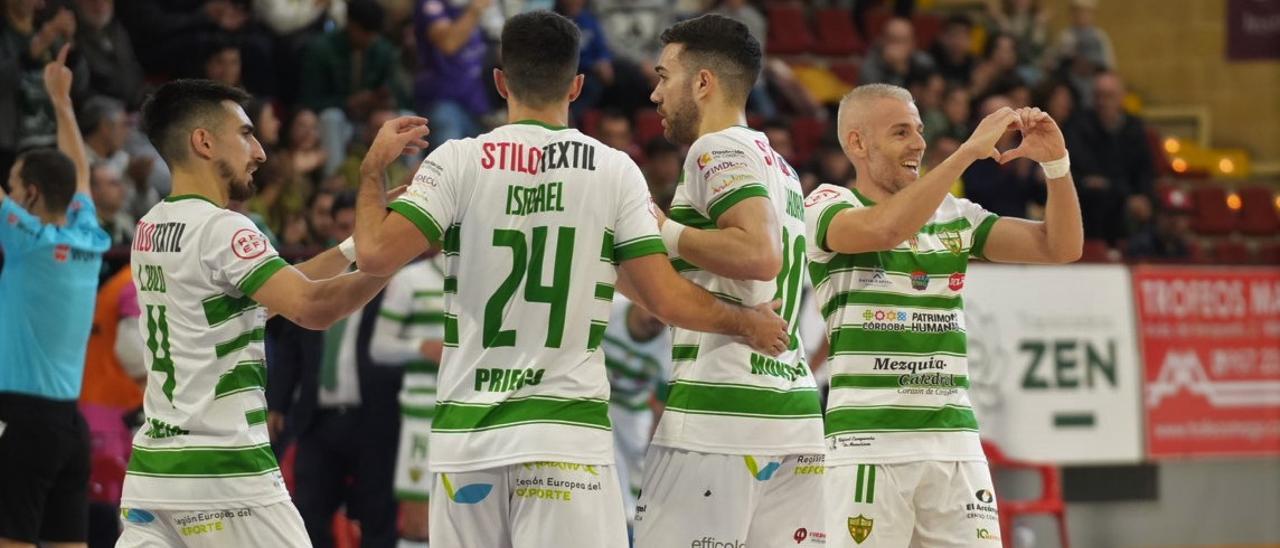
<point x="888" y="259"/>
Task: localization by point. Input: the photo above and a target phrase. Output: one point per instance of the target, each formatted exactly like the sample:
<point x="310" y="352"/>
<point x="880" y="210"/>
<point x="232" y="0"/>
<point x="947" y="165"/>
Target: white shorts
<point x="413" y="480"/>
<point x="530" y="505"/>
<point x="276" y="525"/>
<point x="930" y="503"/>
<point x="631" y="430"/>
<point x="705" y="500"/>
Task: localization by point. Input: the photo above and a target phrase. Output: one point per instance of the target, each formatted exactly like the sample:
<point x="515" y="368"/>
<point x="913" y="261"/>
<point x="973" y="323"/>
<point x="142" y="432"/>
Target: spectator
<point x="616" y="131"/>
<point x="951" y="120"/>
<point x="109" y="196"/>
<point x="320" y="216"/>
<point x="173" y="29"/>
<point x="114" y="70"/>
<point x="1059" y="100"/>
<point x="286" y="17"/>
<point x="347" y="74"/>
<point x="345" y="413"/>
<point x="1168" y="236"/>
<point x="266" y="123"/>
<point x="450" y="85"/>
<point x="398" y="172"/>
<point x="53" y="255"/>
<point x="895" y="60"/>
<point x="1083" y="50"/>
<point x="998" y="71"/>
<point x="1111" y="163"/>
<point x="26" y="118"/>
<point x="595" y="61"/>
<point x="663" y="168"/>
<point x="951" y="51"/>
<point x="222" y="62"/>
<point x="1027" y="21"/>
<point x="103" y="123"/>
<point x="1004" y="189"/>
<point x="828" y="166"/>
<point x="632" y="28"/>
<point x="940" y="150"/>
<point x="283" y="195"/>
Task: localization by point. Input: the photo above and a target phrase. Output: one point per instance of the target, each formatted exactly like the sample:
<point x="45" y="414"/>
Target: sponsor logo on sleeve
<point x="819" y="196"/>
<point x="956" y="281"/>
<point x="704" y="160"/>
<point x="248" y="244"/>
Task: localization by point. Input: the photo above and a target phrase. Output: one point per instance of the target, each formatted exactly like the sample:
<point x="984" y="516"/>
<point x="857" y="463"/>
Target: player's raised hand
<point x="402" y="135"/>
<point x="765" y="330"/>
<point x="1041" y="138"/>
<point x="57" y="77"/>
<point x="982" y="143"/>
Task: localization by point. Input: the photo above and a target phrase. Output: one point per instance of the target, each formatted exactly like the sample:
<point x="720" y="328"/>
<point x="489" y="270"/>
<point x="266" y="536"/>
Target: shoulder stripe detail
<point x="260" y="274"/>
<point x="419" y="217"/>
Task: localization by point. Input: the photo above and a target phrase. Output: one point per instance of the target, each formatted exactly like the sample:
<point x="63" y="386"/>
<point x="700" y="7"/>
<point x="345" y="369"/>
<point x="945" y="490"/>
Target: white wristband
<point x="348" y="249"/>
<point x="671" y="237"/>
<point x="1057" y="169"/>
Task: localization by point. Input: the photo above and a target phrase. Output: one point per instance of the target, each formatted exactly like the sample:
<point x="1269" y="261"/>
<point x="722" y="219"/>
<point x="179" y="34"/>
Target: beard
<point x="239" y="186"/>
<point x="682" y="123"/>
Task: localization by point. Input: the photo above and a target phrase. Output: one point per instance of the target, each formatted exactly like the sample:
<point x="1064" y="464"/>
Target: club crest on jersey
<point x="248" y="244"/>
<point x="820" y="195"/>
<point x="953" y="241"/>
<point x="860" y="528"/>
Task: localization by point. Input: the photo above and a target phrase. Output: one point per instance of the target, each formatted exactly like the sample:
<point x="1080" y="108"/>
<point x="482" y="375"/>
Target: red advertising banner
<point x="1211" y="344"/>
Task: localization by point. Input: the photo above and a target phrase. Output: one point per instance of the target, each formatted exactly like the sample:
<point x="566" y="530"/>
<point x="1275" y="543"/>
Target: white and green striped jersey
<point x="726" y="398"/>
<point x="205" y="442"/>
<point x="895" y="319"/>
<point x="637" y="369"/>
<point x="533" y="221"/>
<point x="413" y="311"/>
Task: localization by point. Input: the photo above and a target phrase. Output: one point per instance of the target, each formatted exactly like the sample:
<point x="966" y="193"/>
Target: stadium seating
<point x="1050" y="501"/>
<point x="788" y="32"/>
<point x="1211" y="215"/>
<point x="928" y="26"/>
<point x="836" y="33"/>
<point x="1258" y="212"/>
<point x="1095" y="251"/>
<point x="648" y="125"/>
<point x="806" y="134"/>
<point x="1231" y="252"/>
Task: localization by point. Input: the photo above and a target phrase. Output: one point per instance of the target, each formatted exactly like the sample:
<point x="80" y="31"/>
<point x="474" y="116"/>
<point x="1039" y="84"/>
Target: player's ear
<point x="854" y="145"/>
<point x="575" y="89"/>
<point x="202" y="143"/>
<point x="703" y="80"/>
<point x="500" y="81"/>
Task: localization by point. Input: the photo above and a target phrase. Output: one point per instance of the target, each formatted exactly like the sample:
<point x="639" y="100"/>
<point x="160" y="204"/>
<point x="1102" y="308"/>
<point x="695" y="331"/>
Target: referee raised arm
<point x="53" y="252"/>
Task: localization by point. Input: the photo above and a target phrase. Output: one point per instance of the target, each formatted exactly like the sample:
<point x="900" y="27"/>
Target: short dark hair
<point x="53" y="173"/>
<point x="343" y="200"/>
<point x="97" y="109"/>
<point x="366" y="14"/>
<point x="178" y="107"/>
<point x="540" y="56"/>
<point x="722" y="45"/>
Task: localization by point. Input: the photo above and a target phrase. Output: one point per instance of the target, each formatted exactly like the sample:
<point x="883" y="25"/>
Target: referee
<point x="53" y="251"/>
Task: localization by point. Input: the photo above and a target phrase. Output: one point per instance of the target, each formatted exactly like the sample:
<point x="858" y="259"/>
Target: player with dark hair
<point x="202" y="472"/>
<point x="53" y="248"/>
<point x="537" y="223"/>
<point x="737" y="456"/>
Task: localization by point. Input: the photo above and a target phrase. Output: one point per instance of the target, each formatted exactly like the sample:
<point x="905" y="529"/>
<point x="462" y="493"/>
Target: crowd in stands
<point x="327" y="72"/>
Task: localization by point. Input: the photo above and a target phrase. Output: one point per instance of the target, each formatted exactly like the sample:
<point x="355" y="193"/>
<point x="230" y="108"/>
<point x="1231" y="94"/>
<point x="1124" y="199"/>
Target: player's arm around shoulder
<point x="1060" y="237"/>
<point x="726" y="180"/>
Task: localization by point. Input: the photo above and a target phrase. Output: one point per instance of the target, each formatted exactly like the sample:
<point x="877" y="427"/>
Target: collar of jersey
<point x="181" y="197"/>
<point x="861" y="197"/>
<point x="539" y="124"/>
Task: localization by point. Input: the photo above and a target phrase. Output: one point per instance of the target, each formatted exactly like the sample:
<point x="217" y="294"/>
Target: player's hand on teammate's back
<point x="1041" y="138"/>
<point x="982" y="143"/>
<point x="57" y="77"/>
<point x="765" y="330"/>
<point x="401" y="135"/>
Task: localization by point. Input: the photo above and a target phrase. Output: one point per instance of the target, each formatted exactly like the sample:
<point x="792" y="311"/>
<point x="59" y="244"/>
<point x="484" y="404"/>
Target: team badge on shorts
<point x="860" y="528"/>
